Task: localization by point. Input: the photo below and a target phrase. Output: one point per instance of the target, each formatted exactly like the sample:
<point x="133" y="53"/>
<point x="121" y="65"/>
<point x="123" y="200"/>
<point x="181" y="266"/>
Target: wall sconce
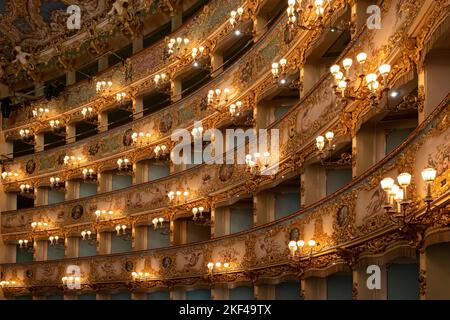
<point x="199" y="218"/>
<point x="27" y="136"/>
<point x="73" y="161"/>
<point x="8" y="284"/>
<point x="176" y="47"/>
<point x="89" y="174"/>
<point x="308" y="15"/>
<point x="279" y="71"/>
<point x="236" y="18"/>
<point x="57" y="128"/>
<point x="160" y="150"/>
<point x="397" y="196"/>
<point x="89" y="115"/>
<point x="162" y="83"/>
<point x="155" y="222"/>
<point x="9" y="176"/>
<point x="103" y="87"/>
<point x="235" y="109"/>
<point x="325" y="145"/>
<point x="218" y="267"/>
<point x="26" y="189"/>
<point x="53" y="240"/>
<point x="257" y="164"/>
<point x="23" y="243"/>
<point x="72" y="282"/>
<point x="104" y="213"/>
<point x="141" y="138"/>
<point x="121" y="229"/>
<point x="140" y="276"/>
<point x="217" y="97"/>
<point x="178" y="196"/>
<point x="36" y="226"/>
<point x="412" y="226"/>
<point x="360" y="86"/>
<point x="85" y="233"/>
<point x="124" y="165"/>
<point x="40" y="112"/>
<point x="56" y="183"/>
<point x="295" y="247"/>
<point x="121" y="97"/>
<point x="198" y="54"/>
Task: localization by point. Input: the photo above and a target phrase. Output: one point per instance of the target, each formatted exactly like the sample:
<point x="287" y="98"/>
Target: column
<point x="68" y="296"/>
<point x="264" y="292"/>
<point x="102" y="63"/>
<point x="104" y="182"/>
<point x="220" y="292"/>
<point x="103" y="296"/>
<point x="138" y="296"/>
<point x="422" y="274"/>
<point x="72" y="190"/>
<point x="437" y="79"/>
<point x="177" y="19"/>
<point x="315" y="288"/>
<point x="369" y="293"/>
<point x="222" y="221"/>
<point x="140" y="238"/>
<point x="38" y="89"/>
<point x="103" y="121"/>
<point x="315" y="183"/>
<point x="40" y="250"/>
<point x="264" y="207"/>
<point x="41" y="196"/>
<point x="138" y="107"/>
<point x="70" y="133"/>
<point x="72" y="247"/>
<point x="217" y="63"/>
<point x="104" y="242"/>
<point x="71" y="77"/>
<point x="39" y="142"/>
<point x="138" y="44"/>
<point x="213" y="219"/>
<point x="176" y="89"/>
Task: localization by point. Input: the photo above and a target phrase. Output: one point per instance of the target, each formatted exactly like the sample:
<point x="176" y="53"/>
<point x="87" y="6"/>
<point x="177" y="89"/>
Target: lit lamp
<point x="428" y="176"/>
<point x="120" y="97"/>
<point x="218" y="97"/>
<point x="296" y="246"/>
<point x="85" y="233"/>
<point x="53" y="240"/>
<point x="362" y="85"/>
<point x="236" y="18"/>
<point x="120" y="229"/>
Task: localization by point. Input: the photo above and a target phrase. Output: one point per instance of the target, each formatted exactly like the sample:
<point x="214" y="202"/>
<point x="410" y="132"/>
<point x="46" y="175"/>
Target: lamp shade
<point x="387" y="183"/>
<point x="404" y="179"/>
<point x="429" y="174"/>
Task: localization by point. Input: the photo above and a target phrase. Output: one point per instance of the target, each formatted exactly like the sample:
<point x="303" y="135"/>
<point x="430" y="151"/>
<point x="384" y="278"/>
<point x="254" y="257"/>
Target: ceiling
<point x="33" y="24"/>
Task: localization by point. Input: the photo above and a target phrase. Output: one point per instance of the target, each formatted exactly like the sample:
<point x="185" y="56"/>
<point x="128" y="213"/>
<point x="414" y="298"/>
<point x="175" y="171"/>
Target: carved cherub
<point x="24" y="59"/>
<point x="119" y="7"/>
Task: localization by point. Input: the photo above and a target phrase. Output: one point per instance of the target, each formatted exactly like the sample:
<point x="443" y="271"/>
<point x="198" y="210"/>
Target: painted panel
<point x="55" y="196"/>
<point x="286" y="203"/>
<point x="122" y="181"/>
<point x="287" y="291"/>
<point x="157" y="240"/>
<point x="403" y="281"/>
<point x="120" y="244"/>
<point x="336" y="179"/>
<point x="241" y="293"/>
<point x="240" y="219"/>
<point x="199" y="294"/>
<point x="339" y="287"/>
